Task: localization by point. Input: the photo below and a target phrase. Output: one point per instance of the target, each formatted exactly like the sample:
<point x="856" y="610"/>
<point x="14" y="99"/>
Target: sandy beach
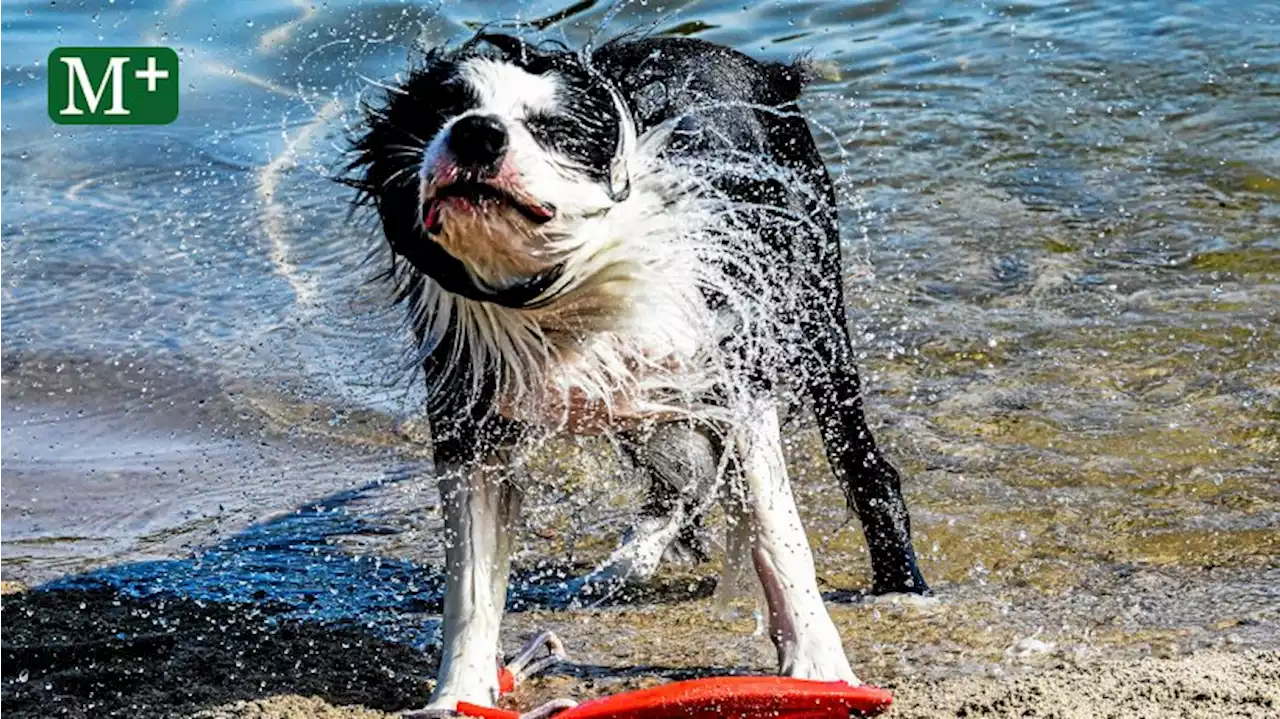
<point x="97" y="654"/>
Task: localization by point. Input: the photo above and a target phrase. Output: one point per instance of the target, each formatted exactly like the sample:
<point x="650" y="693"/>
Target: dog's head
<point x="488" y="154"/>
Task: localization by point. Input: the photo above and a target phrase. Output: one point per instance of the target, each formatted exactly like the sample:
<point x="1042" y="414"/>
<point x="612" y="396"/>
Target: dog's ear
<point x="513" y="47"/>
<point x="620" y="167"/>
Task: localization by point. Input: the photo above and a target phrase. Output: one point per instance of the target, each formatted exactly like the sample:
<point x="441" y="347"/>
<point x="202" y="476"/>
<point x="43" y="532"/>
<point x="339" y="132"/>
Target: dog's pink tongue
<point x="431" y="221"/>
<point x="542" y="212"/>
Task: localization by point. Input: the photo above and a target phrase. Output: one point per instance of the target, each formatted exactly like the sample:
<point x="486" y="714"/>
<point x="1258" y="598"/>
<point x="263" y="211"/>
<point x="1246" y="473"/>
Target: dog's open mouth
<point x="478" y="195"/>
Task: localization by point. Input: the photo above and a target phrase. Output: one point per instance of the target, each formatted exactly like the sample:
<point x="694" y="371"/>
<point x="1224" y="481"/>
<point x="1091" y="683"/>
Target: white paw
<point x="444" y="700"/>
<point x="437" y="709"/>
<point x="821" y="663"/>
<point x="640" y="554"/>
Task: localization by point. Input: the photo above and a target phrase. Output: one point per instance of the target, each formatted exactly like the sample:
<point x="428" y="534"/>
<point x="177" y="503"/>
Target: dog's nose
<point x="478" y="142"/>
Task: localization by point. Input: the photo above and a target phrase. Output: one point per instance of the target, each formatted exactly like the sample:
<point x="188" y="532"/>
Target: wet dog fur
<point x="638" y="238"/>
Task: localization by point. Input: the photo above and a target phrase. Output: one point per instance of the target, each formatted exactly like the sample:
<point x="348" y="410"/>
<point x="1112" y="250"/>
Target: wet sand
<point x="127" y="462"/>
<point x="1210" y="685"/>
<point x="97" y="653"/>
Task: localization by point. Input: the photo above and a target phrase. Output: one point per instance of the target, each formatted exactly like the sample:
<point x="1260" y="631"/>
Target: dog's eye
<point x="583" y="141"/>
<point x="546" y="127"/>
<point x="456" y="93"/>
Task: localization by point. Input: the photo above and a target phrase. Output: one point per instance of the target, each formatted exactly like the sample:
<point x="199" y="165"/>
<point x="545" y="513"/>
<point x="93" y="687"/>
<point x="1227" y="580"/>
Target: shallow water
<point x="1062" y="223"/>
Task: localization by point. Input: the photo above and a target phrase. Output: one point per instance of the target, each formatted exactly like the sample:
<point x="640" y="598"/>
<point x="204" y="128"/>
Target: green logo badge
<point x="113" y="85"/>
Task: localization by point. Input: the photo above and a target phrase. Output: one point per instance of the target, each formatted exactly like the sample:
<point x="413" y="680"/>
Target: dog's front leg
<point x="808" y="644"/>
<point x="481" y="507"/>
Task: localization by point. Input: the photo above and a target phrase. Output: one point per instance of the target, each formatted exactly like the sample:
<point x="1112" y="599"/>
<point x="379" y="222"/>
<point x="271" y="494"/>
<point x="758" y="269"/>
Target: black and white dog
<point x="638" y="239"/>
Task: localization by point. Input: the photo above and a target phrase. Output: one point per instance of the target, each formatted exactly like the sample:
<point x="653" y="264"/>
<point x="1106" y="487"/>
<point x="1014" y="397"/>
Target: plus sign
<point x="151" y="74"/>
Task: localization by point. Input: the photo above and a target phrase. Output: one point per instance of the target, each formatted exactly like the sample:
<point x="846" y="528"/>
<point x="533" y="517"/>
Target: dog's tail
<point x="791" y="79"/>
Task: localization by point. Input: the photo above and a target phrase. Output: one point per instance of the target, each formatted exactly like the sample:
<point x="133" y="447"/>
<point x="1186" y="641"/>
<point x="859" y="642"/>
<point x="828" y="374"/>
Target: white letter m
<point x="113" y="77"/>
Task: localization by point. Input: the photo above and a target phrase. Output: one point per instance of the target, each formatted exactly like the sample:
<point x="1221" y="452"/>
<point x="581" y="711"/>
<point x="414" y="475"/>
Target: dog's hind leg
<point x="808" y="644"/>
<point x="481" y="507"/>
<point x="871" y="484"/>
<point x="682" y="464"/>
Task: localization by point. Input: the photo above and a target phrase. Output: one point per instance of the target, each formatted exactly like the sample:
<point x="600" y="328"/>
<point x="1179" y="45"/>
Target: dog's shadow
<point x="100" y="652"/>
<point x="275" y="609"/>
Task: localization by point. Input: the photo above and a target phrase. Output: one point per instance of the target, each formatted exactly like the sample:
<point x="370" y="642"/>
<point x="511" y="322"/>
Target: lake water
<point x="1062" y="225"/>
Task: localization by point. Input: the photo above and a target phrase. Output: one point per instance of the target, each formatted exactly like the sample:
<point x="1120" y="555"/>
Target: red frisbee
<point x="729" y="697"/>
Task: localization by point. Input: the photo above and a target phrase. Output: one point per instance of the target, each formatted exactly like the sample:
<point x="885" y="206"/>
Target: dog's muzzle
<point x="478" y="143"/>
<point x="470" y="171"/>
<point x="478" y="194"/>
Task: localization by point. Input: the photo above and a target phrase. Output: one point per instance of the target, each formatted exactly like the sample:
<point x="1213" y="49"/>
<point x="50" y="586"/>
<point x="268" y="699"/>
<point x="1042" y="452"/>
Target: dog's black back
<point x="726" y="103"/>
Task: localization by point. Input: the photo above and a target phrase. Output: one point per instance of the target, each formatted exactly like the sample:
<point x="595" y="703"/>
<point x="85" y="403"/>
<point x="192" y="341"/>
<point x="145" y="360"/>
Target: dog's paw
<point x="433" y="712"/>
<point x="445" y="707"/>
<point x="825" y="672"/>
<point x="636" y="561"/>
<point x="820" y="663"/>
<point x="472" y="689"/>
<point x="641" y="551"/>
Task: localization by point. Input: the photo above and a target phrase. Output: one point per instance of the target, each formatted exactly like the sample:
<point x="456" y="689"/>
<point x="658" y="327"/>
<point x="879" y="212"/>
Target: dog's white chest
<point x="617" y="382"/>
